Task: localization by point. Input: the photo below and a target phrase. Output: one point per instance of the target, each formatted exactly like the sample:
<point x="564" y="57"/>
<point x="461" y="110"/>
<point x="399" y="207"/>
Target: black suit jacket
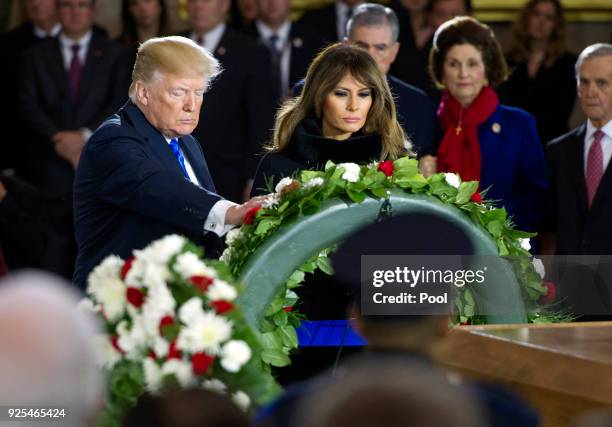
<point x="46" y="107"/>
<point x="237" y="113"/>
<point x="304" y="47"/>
<point x="321" y="24"/>
<point x="130" y="190"/>
<point x="580" y="230"/>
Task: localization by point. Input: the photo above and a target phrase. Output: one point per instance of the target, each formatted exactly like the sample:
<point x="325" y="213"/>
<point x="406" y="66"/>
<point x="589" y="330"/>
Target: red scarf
<point x="459" y="150"/>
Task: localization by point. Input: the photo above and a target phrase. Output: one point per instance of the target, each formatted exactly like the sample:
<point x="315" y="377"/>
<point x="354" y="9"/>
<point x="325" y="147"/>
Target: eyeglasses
<point x="79" y="5"/>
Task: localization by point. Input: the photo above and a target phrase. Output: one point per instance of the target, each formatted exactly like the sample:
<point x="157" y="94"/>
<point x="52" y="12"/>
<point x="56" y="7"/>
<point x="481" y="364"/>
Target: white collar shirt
<point x="66" y="47"/>
<point x="606" y="143"/>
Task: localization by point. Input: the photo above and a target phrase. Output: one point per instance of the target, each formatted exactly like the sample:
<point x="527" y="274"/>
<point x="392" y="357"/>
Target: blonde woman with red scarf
<point x="483" y="140"/>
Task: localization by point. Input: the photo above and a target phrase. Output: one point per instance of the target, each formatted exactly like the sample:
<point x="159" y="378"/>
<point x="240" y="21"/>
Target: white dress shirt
<point x="211" y="38"/>
<point x="41" y="34"/>
<point x="215" y="221"/>
<point x="606" y="143"/>
<point x="283" y="45"/>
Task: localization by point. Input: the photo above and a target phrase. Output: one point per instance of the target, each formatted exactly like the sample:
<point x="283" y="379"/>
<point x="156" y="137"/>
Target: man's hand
<point x="235" y="214"/>
<point x="427" y="165"/>
<point x="68" y="145"/>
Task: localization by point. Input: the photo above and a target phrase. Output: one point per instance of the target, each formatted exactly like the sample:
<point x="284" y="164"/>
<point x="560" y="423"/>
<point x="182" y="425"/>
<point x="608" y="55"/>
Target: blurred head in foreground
<point x="47" y="356"/>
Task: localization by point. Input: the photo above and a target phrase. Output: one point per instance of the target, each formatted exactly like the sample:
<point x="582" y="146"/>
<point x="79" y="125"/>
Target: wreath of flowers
<point x="170" y="320"/>
<point x="304" y="194"/>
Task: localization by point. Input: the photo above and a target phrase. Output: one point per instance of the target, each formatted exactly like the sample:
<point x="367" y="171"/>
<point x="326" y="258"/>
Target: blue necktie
<point x="174" y="145"/>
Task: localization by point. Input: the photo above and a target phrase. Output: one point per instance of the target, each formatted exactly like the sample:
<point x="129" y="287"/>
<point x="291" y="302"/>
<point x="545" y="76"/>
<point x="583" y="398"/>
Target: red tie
<point x="75" y="72"/>
<point x="594" y="170"/>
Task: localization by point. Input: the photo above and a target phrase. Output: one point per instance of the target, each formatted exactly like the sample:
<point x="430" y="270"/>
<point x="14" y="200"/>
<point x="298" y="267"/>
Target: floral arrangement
<point x="304" y="194"/>
<point x="171" y="320"/>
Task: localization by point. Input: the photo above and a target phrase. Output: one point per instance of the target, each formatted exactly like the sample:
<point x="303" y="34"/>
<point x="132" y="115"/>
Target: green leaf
<point x="170" y="332"/>
<point x="288" y="336"/>
<point x="325" y="266"/>
<point x="466" y="189"/>
<point x="379" y="192"/>
<point x="282" y="207"/>
<point x="496" y="228"/>
<point x="329" y="164"/>
<point x="266" y="225"/>
<point x="271" y="341"/>
<point x="309" y="206"/>
<point x="280" y="318"/>
<point x="355" y="196"/>
<point x="406" y="165"/>
<point x="295" y="279"/>
<point x="275" y="358"/>
<point x="503" y="250"/>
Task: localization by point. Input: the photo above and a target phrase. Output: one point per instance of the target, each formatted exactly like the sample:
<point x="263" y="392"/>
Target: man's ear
<point x="394" y="50"/>
<point x="142" y="93"/>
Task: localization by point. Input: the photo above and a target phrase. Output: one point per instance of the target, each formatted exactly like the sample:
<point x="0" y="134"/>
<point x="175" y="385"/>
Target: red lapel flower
<point x="201" y="282"/>
<point x="135" y="297"/>
<point x="386" y="167"/>
<point x="222" y="306"/>
<point x="250" y="215"/>
<point x="201" y="363"/>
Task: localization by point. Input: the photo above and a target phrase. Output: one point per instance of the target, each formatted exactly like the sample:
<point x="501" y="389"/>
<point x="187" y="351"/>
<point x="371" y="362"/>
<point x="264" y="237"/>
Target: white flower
<point x="525" y="244"/>
<point x="242" y="400"/>
<point x="314" y="182"/>
<point x="104" y="285"/>
<point x="271" y="201"/>
<point x="235" y="354"/>
<point x="155" y="275"/>
<point x="160" y="347"/>
<point x="188" y="264"/>
<point x="351" y="171"/>
<point x="107" y="355"/>
<point x="205" y="333"/>
<point x="132" y="341"/>
<point x="226" y="255"/>
<point x="160" y="251"/>
<point x="214" y="385"/>
<point x="88" y="307"/>
<point x="233" y="235"/>
<point x="282" y="184"/>
<point x="452" y="179"/>
<point x="191" y="311"/>
<point x="221" y="290"/>
<point x="181" y="369"/>
<point x="152" y="375"/>
<point x="290" y="294"/>
<point x="538" y="265"/>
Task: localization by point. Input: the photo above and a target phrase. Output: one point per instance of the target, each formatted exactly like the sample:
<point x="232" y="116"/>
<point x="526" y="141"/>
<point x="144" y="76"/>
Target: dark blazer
<point x="320" y="23"/>
<point x="237" y="114"/>
<point x="46" y="107"/>
<point x="130" y="190"/>
<point x="580" y="230"/>
<point x="304" y="47"/>
<point x="417" y="115"/>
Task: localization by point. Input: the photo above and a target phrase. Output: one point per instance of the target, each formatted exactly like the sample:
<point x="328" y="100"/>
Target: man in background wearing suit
<point x="142" y="175"/>
<point x="240" y="106"/>
<point x="329" y="22"/>
<point x="41" y="23"/>
<point x="580" y="172"/>
<point x="290" y="48"/>
<point x="70" y="85"/>
<point x="375" y="28"/>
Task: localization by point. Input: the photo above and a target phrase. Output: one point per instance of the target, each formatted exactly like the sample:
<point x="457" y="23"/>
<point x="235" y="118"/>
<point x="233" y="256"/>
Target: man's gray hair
<point x="373" y="15"/>
<point x="592" y="51"/>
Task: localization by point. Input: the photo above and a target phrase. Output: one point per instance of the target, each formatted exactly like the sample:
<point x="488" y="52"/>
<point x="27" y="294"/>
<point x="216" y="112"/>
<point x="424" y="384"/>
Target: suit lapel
<point x="56" y="68"/>
<point x="605" y="187"/>
<point x="95" y="55"/>
<point x="577" y="174"/>
<point x="195" y="161"/>
<point x="155" y="140"/>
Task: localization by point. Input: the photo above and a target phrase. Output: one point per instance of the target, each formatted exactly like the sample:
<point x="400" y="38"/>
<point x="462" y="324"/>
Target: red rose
<point x="126" y="267"/>
<point x="152" y="355"/>
<point x="173" y="352"/>
<point x="551" y="293"/>
<point x="386" y="167"/>
<point x="165" y="321"/>
<point x="135" y="297"/>
<point x="201" y="282"/>
<point x="288" y="309"/>
<point x="201" y="363"/>
<point x="476" y="198"/>
<point x="250" y="215"/>
<point x="115" y="343"/>
<point x="222" y="306"/>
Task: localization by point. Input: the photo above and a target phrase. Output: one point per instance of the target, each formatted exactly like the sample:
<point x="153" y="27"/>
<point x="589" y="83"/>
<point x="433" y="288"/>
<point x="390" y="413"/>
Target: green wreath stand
<point x="292" y="244"/>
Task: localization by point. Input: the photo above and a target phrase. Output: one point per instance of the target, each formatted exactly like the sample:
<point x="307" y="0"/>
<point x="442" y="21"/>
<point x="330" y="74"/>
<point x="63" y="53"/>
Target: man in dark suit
<point x="375" y="28"/>
<point x="329" y="22"/>
<point x="291" y="49"/>
<point x="41" y="23"/>
<point x="240" y="107"/>
<point x="142" y="175"/>
<point x="580" y="175"/>
<point x="70" y="84"/>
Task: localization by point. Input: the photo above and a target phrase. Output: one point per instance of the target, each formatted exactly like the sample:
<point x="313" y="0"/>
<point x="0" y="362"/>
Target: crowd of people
<point x="464" y="103"/>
